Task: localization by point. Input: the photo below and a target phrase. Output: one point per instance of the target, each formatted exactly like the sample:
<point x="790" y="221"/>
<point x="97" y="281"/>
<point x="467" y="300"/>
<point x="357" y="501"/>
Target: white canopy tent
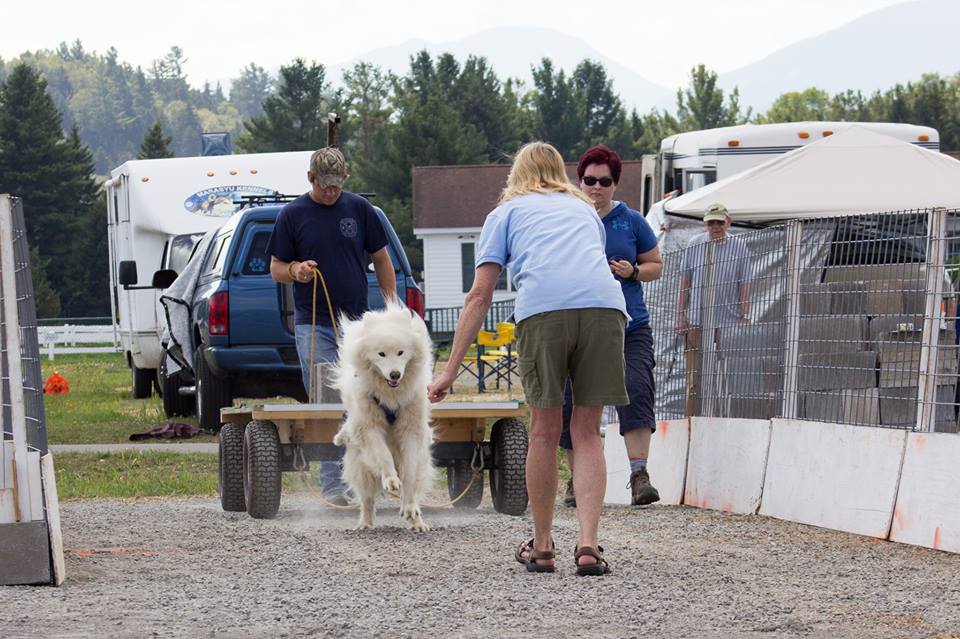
<point x="853" y="171"/>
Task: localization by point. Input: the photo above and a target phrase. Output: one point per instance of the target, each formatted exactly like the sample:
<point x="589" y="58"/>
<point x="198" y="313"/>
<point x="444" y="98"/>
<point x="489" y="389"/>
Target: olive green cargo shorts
<point x="584" y="343"/>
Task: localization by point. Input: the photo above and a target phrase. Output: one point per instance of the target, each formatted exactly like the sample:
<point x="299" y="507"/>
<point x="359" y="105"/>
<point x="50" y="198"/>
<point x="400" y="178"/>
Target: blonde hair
<point x="538" y="168"/>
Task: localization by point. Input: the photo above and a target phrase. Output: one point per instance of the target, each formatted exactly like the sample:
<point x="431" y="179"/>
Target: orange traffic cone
<point x="56" y="384"/>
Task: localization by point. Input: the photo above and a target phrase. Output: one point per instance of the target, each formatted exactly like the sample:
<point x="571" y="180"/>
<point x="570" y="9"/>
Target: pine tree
<point x="295" y="117"/>
<point x="701" y="105"/>
<point x="154" y="144"/>
<point x="54" y="176"/>
<point x="33" y="158"/>
<point x="83" y="276"/>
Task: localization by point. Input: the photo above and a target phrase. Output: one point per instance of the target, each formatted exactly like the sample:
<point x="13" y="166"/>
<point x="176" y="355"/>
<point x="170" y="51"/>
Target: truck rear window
<point x="256" y="261"/>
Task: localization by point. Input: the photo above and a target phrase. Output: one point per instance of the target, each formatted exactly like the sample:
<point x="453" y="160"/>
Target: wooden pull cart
<point x="259" y="442"/>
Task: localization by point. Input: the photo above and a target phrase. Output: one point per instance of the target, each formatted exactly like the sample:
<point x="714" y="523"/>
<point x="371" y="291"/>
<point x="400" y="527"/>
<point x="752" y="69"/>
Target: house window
<point x="468" y="269"/>
<point x="467" y="266"/>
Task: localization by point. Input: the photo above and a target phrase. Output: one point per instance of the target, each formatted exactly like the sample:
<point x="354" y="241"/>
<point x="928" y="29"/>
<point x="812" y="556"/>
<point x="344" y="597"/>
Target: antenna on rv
<point x="333" y="121"/>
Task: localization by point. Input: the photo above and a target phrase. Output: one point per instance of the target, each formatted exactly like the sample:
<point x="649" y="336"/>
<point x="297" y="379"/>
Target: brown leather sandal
<point x="529" y="557"/>
<point x="599" y="568"/>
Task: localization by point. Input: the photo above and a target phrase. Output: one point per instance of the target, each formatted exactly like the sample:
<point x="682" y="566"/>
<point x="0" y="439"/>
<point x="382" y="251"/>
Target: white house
<point x="450" y="204"/>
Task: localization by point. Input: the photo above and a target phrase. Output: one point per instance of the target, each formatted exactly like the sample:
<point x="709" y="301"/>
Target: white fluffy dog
<point x="385" y="365"/>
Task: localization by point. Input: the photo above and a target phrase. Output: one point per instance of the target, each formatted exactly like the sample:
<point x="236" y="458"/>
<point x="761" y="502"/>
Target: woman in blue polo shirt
<point x="634" y="258"/>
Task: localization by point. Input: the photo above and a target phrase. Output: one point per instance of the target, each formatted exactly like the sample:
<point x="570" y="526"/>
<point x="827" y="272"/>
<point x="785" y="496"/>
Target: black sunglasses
<point x="589" y="180"/>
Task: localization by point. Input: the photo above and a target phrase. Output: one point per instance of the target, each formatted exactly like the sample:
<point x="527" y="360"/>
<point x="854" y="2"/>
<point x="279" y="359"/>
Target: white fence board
<point x="68" y="338"/>
<point x="726" y="466"/>
<point x="928" y="502"/>
<point x="831" y="475"/>
<point x="36" y="486"/>
<point x="667" y="462"/>
<point x="52" y="504"/>
<point x="618" y="466"/>
<point x="668" y="459"/>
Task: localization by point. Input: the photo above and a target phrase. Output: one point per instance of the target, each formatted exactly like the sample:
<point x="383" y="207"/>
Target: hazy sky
<point x="660" y="40"/>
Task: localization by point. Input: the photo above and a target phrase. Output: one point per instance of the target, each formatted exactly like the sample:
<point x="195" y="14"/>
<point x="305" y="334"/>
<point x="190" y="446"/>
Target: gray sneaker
<point x="643" y="493"/>
<point x="569" y="499"/>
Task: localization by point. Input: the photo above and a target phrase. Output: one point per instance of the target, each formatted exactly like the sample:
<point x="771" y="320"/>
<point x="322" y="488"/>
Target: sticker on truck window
<point x="222" y="201"/>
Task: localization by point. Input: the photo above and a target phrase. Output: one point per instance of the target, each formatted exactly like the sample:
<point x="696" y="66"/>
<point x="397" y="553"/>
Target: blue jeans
<point x="325" y="350"/>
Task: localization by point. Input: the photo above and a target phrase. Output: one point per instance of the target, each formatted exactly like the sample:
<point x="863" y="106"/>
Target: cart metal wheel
<point x="142" y="380"/>
<point x="231" y="468"/>
<point x="261" y="469"/>
<point x="458" y="477"/>
<point x="508" y="485"/>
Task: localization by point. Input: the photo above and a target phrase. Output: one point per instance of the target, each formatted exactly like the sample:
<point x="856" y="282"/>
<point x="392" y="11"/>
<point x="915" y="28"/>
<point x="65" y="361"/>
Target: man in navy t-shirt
<point x="333" y="230"/>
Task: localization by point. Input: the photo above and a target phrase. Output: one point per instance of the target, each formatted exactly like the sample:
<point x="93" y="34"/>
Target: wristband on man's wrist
<point x="290" y="271"/>
<point x="636" y="272"/>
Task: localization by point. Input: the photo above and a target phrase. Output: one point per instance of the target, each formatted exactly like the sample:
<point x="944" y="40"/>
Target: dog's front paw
<point x="364" y="525"/>
<point x="391" y="483"/>
<point x="411" y="513"/>
<point x="340" y="439"/>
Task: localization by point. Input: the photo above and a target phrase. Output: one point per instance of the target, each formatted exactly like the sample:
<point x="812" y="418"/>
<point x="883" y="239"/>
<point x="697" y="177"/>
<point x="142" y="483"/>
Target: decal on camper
<point x="222" y="201"/>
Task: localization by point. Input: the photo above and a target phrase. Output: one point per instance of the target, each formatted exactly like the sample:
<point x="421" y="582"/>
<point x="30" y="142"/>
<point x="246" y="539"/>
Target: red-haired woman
<point x="634" y="258"/>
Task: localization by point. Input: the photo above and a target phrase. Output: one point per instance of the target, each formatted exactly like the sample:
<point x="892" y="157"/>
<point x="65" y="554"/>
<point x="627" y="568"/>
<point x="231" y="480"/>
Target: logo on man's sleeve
<point x="348" y="227"/>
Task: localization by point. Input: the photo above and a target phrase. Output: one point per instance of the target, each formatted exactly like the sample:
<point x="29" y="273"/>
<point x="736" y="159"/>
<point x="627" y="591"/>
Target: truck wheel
<point x="231" y="468"/>
<point x="142" y="379"/>
<point x="174" y="404"/>
<point x="458" y="477"/>
<point x="212" y="394"/>
<point x="508" y="486"/>
<point x="261" y="469"/>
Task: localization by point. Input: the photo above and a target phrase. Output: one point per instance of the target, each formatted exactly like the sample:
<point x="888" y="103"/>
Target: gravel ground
<point x="182" y="567"/>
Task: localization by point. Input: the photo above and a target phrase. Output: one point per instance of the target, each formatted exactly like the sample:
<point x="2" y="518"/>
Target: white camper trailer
<point x="156" y="212"/>
<point x="690" y="160"/>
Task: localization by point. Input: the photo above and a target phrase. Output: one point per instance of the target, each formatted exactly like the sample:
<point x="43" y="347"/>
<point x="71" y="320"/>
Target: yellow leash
<point x="318" y="276"/>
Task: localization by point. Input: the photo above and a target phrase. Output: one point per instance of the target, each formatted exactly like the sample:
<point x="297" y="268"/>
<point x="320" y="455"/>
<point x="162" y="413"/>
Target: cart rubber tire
<point x="261" y="469"/>
<point x="174" y="404"/>
<point x="231" y="468"/>
<point x="508" y="484"/>
<point x="142" y="380"/>
<point x="212" y="394"/>
<point x="458" y="476"/>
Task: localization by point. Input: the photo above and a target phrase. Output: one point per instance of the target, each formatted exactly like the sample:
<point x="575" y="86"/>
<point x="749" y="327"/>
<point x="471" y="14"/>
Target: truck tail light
<point x="415" y="300"/>
<point x="220" y="314"/>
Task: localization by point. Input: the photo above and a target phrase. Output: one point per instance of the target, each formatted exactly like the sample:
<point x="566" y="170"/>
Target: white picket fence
<point x="65" y="339"/>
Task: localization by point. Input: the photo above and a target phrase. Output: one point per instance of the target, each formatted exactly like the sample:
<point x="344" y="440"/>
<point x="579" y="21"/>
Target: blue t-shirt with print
<point x="338" y="238"/>
<point x="629" y="235"/>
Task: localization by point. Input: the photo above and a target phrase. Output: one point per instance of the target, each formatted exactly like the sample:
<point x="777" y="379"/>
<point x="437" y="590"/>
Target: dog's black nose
<point x="394" y="375"/>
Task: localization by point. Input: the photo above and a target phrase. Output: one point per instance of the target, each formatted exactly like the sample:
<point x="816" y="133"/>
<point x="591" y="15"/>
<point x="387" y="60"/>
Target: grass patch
<point x="135" y="474"/>
<point x="100" y="407"/>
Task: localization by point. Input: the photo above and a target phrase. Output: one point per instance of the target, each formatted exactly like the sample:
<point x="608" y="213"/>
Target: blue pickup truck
<point x="241" y="320"/>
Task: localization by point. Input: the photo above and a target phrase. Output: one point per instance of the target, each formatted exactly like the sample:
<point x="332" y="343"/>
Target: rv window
<point x="180" y="250"/>
<point x="697" y="179"/>
<point x="647" y="188"/>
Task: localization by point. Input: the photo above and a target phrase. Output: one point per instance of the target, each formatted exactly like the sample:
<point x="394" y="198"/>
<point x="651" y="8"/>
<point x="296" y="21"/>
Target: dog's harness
<point x="389" y="414"/>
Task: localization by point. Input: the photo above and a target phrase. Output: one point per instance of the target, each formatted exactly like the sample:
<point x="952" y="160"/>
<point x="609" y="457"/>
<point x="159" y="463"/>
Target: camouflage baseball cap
<point x="715" y="212"/>
<point x="328" y="167"/>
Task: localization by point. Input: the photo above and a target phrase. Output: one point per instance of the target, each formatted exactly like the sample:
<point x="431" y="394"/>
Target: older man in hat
<point x="732" y="265"/>
<point x="331" y="230"/>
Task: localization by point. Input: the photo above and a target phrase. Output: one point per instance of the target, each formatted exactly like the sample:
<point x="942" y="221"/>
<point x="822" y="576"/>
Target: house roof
<point x="461" y="196"/>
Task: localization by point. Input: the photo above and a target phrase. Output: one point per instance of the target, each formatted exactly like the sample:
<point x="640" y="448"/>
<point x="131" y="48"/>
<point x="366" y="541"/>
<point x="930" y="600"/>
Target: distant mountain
<point x="895" y="44"/>
<point x="512" y="51"/>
